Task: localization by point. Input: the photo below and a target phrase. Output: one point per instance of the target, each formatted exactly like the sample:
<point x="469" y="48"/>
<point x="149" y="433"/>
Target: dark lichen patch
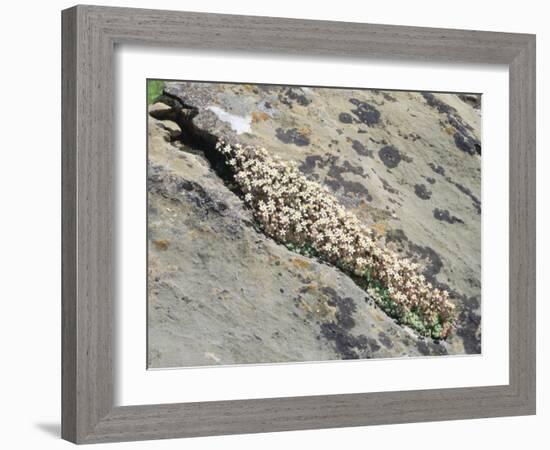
<point x="347" y="345"/>
<point x="437" y="349"/>
<point x="474" y="282"/>
<point x="422" y="192"/>
<point x="476" y="203"/>
<point x="463" y="137"/>
<point x="268" y="88"/>
<point x="345" y="307"/>
<point x="309" y="164"/>
<point x="431" y="348"/>
<point x="409" y="136"/>
<point x="388" y="97"/>
<point x="172" y="187"/>
<point x="445" y="216"/>
<point x="291" y="96"/>
<point x="437" y="169"/>
<point x="388" y="187"/>
<point x="336" y="180"/>
<point x="292" y="136"/>
<point x="356" y="170"/>
<point x="365" y="112"/>
<point x="467" y="143"/>
<point x="361" y="149"/>
<point x="373" y="344"/>
<point x="422" y="347"/>
<point x="434" y="102"/>
<point x="349" y="187"/>
<point x="474" y="100"/>
<point x="456" y="121"/>
<point x="469" y="325"/>
<point x="433" y="263"/>
<point x="385" y="340"/>
<point x="335" y="174"/>
<point x="380" y="142"/>
<point x="390" y="156"/>
<point x="394" y="202"/>
<point x="430" y="180"/>
<point x="345" y="117"/>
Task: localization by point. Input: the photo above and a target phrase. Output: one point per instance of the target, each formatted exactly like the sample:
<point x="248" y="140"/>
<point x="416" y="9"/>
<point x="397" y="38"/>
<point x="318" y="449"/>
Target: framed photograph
<point x="278" y="224"/>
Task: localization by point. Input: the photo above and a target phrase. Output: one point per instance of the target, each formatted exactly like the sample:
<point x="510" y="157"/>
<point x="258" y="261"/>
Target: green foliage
<point x="410" y="318"/>
<point x="302" y="215"/>
<point x="154" y="90"/>
<point x="368" y="281"/>
<point x="404" y="316"/>
<point x="368" y="275"/>
<point x="309" y="250"/>
<point x="305" y="249"/>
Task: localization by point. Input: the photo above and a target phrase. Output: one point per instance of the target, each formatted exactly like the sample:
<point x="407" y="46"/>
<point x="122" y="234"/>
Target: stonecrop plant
<point x="304" y="215"/>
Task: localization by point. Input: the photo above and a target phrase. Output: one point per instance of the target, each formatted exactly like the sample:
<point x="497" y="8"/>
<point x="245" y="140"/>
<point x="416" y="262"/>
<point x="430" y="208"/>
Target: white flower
<point x="282" y="199"/>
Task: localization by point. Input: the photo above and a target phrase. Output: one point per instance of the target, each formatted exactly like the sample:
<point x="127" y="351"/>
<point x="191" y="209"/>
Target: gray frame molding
<point x="89" y="36"/>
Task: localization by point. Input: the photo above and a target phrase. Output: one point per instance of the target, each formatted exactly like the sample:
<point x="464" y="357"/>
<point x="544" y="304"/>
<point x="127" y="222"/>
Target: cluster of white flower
<point x="293" y="209"/>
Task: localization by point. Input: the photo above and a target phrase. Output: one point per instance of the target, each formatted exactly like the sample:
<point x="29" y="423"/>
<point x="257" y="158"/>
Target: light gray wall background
<point x="30" y="221"/>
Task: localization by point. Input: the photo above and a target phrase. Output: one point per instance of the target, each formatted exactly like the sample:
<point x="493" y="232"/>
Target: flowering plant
<point x="296" y="211"/>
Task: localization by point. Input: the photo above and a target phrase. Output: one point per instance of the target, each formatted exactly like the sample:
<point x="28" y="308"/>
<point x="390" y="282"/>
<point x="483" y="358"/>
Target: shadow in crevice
<point x="201" y="141"/>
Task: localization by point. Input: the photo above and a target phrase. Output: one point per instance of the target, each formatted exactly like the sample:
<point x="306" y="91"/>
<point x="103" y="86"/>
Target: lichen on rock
<point x="227" y="293"/>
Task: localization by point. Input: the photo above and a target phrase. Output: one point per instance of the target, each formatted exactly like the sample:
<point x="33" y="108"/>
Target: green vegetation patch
<point x="154" y="90"/>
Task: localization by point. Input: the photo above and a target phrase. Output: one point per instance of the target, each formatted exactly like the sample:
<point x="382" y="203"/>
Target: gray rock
<point x="174" y="130"/>
<point x="221" y="292"/>
<point x="159" y="108"/>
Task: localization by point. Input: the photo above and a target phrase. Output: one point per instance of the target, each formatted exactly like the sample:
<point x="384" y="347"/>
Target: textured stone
<point x="220" y="292"/>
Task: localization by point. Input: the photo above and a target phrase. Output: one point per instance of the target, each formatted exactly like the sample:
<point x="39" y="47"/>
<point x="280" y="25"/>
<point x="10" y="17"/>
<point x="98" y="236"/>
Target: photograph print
<point x="294" y="224"/>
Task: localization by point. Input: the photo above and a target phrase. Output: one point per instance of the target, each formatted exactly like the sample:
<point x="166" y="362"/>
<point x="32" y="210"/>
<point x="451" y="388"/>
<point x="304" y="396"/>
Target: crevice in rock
<point x="202" y="142"/>
<point x="197" y="139"/>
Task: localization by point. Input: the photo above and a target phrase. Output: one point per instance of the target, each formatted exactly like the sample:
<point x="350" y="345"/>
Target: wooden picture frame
<point x="90" y="34"/>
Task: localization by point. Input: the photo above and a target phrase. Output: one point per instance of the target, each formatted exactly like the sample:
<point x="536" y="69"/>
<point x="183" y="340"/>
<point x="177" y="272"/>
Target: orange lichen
<point x="259" y="116"/>
<point x="161" y="244"/>
<point x="450" y="130"/>
<point x="380" y="228"/>
<point x="306" y="131"/>
<point x="300" y="263"/>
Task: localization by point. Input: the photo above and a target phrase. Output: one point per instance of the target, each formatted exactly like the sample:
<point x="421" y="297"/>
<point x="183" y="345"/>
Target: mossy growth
<point x="304" y="249"/>
<point x="411" y="318"/>
<point x="303" y="215"/>
<point x="154" y="90"/>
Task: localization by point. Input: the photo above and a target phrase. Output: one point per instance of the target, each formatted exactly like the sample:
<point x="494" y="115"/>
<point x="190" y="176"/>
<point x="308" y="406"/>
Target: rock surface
<point x="221" y="292"/>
